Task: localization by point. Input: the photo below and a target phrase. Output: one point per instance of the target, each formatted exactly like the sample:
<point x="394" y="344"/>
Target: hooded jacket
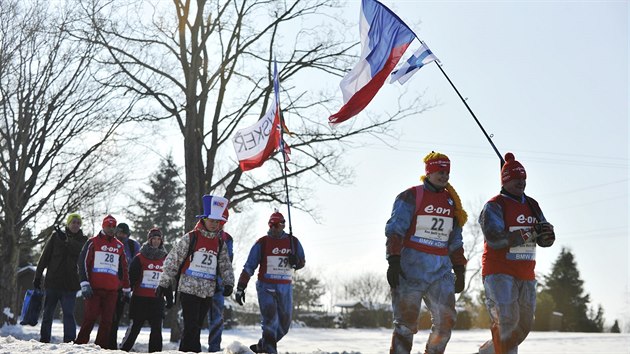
<point x="60" y="256"/>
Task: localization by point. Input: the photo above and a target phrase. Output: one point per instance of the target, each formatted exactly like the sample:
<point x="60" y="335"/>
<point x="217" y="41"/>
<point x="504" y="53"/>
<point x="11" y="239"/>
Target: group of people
<point x="425" y="253"/>
<point x="424" y="250"/>
<point x="111" y="270"/>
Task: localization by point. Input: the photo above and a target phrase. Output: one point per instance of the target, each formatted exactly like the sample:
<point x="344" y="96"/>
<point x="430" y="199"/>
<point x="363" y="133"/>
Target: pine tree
<point x="162" y="205"/>
<point x="615" y="328"/>
<point x="566" y="289"/>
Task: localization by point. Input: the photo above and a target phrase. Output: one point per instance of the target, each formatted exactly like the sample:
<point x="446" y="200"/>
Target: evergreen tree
<point x="615" y="328"/>
<point x="566" y="289"/>
<point x="162" y="205"/>
<point x="307" y="290"/>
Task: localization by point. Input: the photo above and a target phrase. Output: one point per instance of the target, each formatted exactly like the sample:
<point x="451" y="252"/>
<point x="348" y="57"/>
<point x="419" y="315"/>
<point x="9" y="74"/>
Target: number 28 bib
<point x="105" y="262"/>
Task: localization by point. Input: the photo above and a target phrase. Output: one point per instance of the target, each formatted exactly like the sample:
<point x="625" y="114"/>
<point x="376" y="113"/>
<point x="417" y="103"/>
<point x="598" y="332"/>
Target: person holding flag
<point x="424" y="245"/>
<point x="278" y="255"/>
<point x="512" y="225"/>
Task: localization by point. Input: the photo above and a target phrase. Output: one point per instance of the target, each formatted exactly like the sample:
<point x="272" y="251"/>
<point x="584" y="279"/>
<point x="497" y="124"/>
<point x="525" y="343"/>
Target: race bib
<point x="150" y="279"/>
<point x="433" y="230"/>
<point x="105" y="262"/>
<point x="278" y="268"/>
<point x="524" y="252"/>
<point x="203" y="265"/>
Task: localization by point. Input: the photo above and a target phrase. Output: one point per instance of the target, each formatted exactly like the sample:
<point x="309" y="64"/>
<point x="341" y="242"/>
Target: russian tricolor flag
<point x="384" y="39"/>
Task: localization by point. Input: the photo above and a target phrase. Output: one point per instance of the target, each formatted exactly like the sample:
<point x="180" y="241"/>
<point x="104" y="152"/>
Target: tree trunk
<point x="10" y="255"/>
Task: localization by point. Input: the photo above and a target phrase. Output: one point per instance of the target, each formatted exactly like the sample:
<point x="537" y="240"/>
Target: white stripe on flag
<point x="420" y="58"/>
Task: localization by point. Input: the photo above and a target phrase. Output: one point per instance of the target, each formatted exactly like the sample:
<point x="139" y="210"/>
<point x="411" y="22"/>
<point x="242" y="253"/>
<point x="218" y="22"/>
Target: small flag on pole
<point x="420" y="58"/>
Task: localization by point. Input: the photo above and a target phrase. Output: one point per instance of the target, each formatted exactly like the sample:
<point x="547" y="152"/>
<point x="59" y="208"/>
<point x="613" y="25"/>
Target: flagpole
<point x="473" y="114"/>
<point x="283" y="152"/>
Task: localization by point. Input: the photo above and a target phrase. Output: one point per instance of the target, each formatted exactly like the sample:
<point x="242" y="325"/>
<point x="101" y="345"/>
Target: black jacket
<point x="60" y="256"/>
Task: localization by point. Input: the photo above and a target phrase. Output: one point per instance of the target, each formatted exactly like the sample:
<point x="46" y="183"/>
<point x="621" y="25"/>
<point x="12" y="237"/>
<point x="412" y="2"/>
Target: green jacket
<point x="60" y="256"/>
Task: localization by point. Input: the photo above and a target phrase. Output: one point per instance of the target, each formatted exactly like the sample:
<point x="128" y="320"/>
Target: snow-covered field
<point x="24" y="339"/>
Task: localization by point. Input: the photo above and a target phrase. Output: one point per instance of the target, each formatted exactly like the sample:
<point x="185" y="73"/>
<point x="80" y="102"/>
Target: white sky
<point x="549" y="80"/>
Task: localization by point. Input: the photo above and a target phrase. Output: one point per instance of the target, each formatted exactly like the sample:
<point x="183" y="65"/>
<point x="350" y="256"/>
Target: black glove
<point x="227" y="290"/>
<point x="37" y="283"/>
<point x="460" y="278"/>
<point x="546" y="236"/>
<point x="394" y="272"/>
<point x="240" y="295"/>
<point x="293" y="260"/>
<point x="162" y="292"/>
<point x="86" y="290"/>
<point x="169" y="298"/>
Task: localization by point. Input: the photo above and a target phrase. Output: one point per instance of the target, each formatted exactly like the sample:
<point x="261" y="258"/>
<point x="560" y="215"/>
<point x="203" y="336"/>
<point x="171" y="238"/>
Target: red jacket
<point x="102" y="263"/>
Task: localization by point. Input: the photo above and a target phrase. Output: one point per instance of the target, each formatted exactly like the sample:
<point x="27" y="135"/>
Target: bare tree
<point x="369" y="288"/>
<point x="473" y="248"/>
<point x="208" y="63"/>
<point x="55" y="120"/>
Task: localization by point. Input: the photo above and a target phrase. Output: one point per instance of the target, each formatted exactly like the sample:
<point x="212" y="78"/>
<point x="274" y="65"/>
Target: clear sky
<point x="549" y="81"/>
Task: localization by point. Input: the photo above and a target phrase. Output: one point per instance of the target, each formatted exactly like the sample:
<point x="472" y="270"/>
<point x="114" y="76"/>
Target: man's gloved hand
<point x="169" y="298"/>
<point x="126" y="292"/>
<point x="394" y="272"/>
<point x="240" y="295"/>
<point x="293" y="260"/>
<point x="86" y="290"/>
<point x="62" y="235"/>
<point x="227" y="290"/>
<point x="460" y="278"/>
<point x="162" y="292"/>
<point x="546" y="236"/>
<point x="37" y="283"/>
<point x="530" y="235"/>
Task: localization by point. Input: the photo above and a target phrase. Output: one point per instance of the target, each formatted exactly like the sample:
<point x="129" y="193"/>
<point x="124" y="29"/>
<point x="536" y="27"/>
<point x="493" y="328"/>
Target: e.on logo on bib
<point x="430" y="209"/>
<point x="154" y="266"/>
<point x="277" y="250"/>
<point x="522" y="219"/>
<point x="104" y="248"/>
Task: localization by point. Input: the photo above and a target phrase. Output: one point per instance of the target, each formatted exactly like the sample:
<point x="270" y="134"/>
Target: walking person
<point x="131" y="248"/>
<point x="424" y="247"/>
<point x="215" y="314"/>
<point x="59" y="257"/>
<point x="144" y="277"/>
<point x="102" y="268"/>
<point x="192" y="267"/>
<point x="278" y="254"/>
<point x="513" y="225"/>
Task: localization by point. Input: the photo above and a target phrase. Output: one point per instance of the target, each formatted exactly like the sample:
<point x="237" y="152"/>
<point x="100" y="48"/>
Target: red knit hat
<point x="276" y="218"/>
<point x="512" y="169"/>
<point x="109" y="221"/>
<point x="435" y="162"/>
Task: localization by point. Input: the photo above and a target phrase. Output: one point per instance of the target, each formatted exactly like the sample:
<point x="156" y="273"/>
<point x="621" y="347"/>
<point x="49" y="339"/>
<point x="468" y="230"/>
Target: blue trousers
<point x="67" y="300"/>
<point x="276" y="305"/>
<point x="215" y="322"/>
<point x="439" y="297"/>
<point x="511" y="304"/>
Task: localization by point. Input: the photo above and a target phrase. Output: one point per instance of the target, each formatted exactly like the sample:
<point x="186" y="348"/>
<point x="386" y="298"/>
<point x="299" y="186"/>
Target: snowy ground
<point x="23" y="339"/>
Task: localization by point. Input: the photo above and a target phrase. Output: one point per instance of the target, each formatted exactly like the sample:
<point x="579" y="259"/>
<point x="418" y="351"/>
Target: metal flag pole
<point x="283" y="152"/>
<point x="469" y="110"/>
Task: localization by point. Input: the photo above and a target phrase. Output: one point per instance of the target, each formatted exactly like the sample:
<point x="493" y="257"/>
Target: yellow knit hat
<point x="72" y="216"/>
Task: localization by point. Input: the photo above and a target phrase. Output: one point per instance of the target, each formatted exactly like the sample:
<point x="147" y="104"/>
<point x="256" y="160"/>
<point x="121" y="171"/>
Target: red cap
<point x="441" y="163"/>
<point x="276" y="218"/>
<point x="109" y="221"/>
<point x="512" y="169"/>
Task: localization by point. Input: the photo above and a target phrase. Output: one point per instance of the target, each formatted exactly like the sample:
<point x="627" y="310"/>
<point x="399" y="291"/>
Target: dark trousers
<point x="67" y="300"/>
<point x="144" y="309"/>
<point x="118" y="314"/>
<point x="194" y="311"/>
<point x="103" y="304"/>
